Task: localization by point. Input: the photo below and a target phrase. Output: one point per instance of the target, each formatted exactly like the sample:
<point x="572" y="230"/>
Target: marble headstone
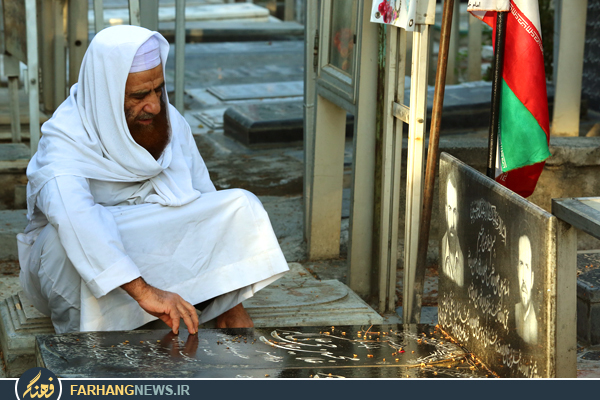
<point x="507" y="276"/>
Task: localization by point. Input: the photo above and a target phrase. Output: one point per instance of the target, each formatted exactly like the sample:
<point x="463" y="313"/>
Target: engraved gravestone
<point x="507" y="277"/>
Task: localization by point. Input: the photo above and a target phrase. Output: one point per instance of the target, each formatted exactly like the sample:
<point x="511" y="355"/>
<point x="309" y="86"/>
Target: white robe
<point x="120" y="214"/>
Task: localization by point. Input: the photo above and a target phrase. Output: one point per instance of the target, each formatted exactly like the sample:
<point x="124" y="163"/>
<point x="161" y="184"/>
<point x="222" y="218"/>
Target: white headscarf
<point x="88" y="135"/>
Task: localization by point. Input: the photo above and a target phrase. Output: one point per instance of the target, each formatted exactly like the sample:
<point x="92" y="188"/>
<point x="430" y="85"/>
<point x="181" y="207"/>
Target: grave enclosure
<point x="506" y="309"/>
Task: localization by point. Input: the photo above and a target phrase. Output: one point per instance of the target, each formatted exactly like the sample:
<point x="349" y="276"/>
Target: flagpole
<point x="496" y="92"/>
<point x="432" y="160"/>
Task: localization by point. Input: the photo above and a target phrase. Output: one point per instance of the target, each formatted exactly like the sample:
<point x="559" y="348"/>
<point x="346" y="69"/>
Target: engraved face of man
<point x="451" y="208"/>
<point x="525" y="273"/>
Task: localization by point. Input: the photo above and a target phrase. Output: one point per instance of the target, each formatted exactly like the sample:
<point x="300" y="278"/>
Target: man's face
<point x="451" y="208"/>
<point x="525" y="274"/>
<point x="145" y="110"/>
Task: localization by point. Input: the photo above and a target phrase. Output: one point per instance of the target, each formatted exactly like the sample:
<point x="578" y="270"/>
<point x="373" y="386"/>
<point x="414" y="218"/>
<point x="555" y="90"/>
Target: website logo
<point x="38" y="383"/>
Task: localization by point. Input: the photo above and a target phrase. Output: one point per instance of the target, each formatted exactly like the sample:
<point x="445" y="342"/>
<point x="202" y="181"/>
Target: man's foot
<point x="237" y="317"/>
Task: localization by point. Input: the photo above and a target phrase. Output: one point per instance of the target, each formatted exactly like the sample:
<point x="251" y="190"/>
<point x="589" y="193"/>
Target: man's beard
<point x="153" y="137"/>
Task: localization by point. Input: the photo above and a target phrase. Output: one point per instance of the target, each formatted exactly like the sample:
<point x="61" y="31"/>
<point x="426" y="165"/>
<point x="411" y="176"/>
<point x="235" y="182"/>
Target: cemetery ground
<point x="273" y="171"/>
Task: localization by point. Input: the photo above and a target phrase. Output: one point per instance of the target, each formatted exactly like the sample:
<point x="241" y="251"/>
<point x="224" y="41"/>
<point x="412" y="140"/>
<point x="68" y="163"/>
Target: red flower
<point x="386" y="11"/>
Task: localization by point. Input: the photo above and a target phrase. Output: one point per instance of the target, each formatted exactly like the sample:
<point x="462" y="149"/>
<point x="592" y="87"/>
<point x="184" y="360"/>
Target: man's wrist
<point x="136" y="288"/>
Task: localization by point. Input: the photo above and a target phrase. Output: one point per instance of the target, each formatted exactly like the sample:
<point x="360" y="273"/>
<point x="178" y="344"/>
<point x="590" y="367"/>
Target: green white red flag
<point x="524" y="124"/>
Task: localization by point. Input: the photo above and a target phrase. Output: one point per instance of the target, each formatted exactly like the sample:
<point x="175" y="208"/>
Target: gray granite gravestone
<point x="368" y="351"/>
<point x="263" y="123"/>
<point x="507" y="277"/>
<point x="258" y="90"/>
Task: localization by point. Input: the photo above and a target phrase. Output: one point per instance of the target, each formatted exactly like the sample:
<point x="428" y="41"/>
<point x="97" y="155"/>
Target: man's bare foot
<point x="237" y="317"/>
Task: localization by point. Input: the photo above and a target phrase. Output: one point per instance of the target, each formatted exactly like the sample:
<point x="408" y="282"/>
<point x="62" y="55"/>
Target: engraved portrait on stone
<point x="452" y="255"/>
<point x="525" y="315"/>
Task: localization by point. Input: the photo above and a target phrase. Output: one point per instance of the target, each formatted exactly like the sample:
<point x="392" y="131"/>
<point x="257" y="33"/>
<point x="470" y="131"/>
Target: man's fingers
<point x="194" y="316"/>
<point x="175" y="318"/>
<point x="187" y="319"/>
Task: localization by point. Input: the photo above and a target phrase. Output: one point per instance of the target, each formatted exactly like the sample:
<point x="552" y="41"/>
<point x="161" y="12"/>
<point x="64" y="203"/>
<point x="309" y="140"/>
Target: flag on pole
<point x="524" y="123"/>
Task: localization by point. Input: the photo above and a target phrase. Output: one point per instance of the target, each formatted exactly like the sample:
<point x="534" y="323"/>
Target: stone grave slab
<point x="12" y="222"/>
<point x="19" y="323"/>
<point x="581" y="212"/>
<point x="264" y="123"/>
<point x="588" y="297"/>
<point x="206" y="12"/>
<point x="367" y="351"/>
<point x="507" y="280"/>
<point x="584" y="213"/>
<point x="212" y="118"/>
<point x="253" y="91"/>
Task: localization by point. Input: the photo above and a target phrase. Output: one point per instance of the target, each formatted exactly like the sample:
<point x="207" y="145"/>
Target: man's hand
<point x="167" y="306"/>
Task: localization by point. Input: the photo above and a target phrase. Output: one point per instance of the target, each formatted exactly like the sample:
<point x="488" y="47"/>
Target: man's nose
<point x="152" y="105"/>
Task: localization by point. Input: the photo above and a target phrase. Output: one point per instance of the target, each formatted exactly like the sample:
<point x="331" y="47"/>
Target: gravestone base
<point x="20" y="322"/>
<point x="269" y="123"/>
<point x="588" y="297"/>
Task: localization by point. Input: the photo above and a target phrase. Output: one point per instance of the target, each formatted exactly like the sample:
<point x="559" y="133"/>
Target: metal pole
<point x="311" y="46"/>
<point x="496" y="91"/>
<point x="432" y="158"/>
<point x="11" y="70"/>
<point x="569" y="72"/>
<point x="77" y="37"/>
<point x="134" y="12"/>
<point x="415" y="164"/>
<point x="32" y="65"/>
<point x="179" y="53"/>
<point x="557" y="22"/>
<point x="46" y="53"/>
<point x="60" y="59"/>
<point x="149" y="14"/>
<point x="452" y="73"/>
<point x="15" y="120"/>
<point x="289" y="9"/>
<point x="98" y="15"/>
<point x="474" y="54"/>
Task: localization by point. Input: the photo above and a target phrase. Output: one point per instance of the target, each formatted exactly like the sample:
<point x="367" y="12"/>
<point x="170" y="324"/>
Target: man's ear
<point x="532" y="278"/>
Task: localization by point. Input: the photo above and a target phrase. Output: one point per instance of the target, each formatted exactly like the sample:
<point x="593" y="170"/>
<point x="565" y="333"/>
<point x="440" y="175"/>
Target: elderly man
<point x="125" y="225"/>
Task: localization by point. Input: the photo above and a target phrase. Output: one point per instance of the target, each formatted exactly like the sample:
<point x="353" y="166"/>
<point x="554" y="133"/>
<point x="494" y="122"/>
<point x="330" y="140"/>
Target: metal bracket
<point x="401" y="112"/>
<point x="425" y="14"/>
